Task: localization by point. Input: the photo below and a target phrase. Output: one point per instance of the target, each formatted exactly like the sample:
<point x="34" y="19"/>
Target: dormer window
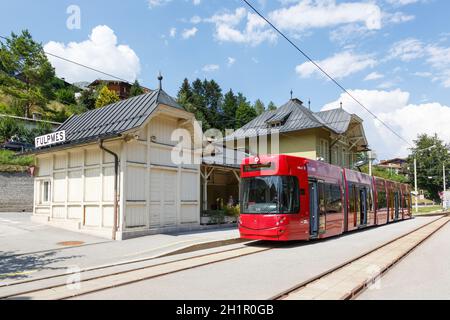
<point x="275" y="124"/>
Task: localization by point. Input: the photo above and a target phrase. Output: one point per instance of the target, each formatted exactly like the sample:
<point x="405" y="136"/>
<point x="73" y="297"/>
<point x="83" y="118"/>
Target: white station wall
<point x="81" y="188"/>
<point x="159" y="193"/>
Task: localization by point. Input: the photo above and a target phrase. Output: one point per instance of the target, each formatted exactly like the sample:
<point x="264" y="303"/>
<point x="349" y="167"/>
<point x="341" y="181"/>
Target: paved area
<point x="424" y="274"/>
<point x="19" y="235"/>
<point x="261" y="275"/>
<point x="29" y="250"/>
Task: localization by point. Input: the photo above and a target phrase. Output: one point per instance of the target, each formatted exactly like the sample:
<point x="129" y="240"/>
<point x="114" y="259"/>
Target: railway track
<point x="351" y="278"/>
<point x="323" y="286"/>
<point x="56" y="287"/>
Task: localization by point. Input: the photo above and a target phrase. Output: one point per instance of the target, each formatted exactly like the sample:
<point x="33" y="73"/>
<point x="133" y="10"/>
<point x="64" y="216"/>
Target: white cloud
<point x="196" y="20"/>
<point x="173" y="32"/>
<point x="437" y="57"/>
<point x="254" y="32"/>
<point x="100" y="51"/>
<point x="189" y="33"/>
<point x="308" y="14"/>
<point x="210" y="68"/>
<point x="373" y="76"/>
<point x="338" y="66"/>
<point x="423" y="74"/>
<point x="399" y="3"/>
<point x="394" y="108"/>
<point x="157" y="3"/>
<point x="397" y="17"/>
<point x="407" y="50"/>
<point x="231" y="61"/>
<point x="196" y="2"/>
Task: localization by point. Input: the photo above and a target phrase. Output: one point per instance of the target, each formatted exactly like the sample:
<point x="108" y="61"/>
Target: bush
<point x="232" y="211"/>
<point x="66" y="96"/>
<point x="10" y="127"/>
<point x="8" y="158"/>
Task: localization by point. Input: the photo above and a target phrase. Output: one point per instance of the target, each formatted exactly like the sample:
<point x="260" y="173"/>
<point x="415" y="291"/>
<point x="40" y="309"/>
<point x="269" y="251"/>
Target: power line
<point x="81" y="65"/>
<point x="324" y="72"/>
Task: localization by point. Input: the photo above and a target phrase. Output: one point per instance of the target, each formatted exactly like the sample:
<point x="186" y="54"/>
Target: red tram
<point x="290" y="198"/>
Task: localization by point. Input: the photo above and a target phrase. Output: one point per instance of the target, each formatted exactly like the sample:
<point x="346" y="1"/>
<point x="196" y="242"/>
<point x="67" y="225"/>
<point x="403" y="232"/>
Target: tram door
<point x="314" y="209"/>
<point x="363" y="207"/>
<point x="397" y="205"/>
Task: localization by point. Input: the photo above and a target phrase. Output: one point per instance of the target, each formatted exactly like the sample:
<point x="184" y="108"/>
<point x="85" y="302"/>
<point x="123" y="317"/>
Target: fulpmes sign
<point x="49" y="139"/>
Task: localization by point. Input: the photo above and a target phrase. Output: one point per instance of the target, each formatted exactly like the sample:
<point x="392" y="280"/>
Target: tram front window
<point x="270" y="195"/>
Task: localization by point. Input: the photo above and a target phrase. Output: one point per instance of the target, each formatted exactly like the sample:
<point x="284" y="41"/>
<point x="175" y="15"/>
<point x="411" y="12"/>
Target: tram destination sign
<point x="49" y="139"/>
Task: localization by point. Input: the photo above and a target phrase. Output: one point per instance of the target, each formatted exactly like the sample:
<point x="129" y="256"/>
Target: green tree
<point x="271" y="106"/>
<point x="429" y="164"/>
<point x="87" y="99"/>
<point x="385" y="174"/>
<point x="259" y="107"/>
<point x="230" y="105"/>
<point x="106" y="97"/>
<point x="136" y="89"/>
<point x="9" y="127"/>
<point x="213" y="99"/>
<point x="25" y="72"/>
<point x="187" y="99"/>
<point x="65" y="96"/>
<point x="245" y="112"/>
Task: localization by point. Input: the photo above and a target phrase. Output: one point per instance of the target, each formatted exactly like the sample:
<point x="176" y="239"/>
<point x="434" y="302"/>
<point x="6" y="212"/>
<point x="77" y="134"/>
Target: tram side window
<point x="370" y="199"/>
<point x="382" y="201"/>
<point x="322" y="196"/>
<point x="334" y="199"/>
<point x="352" y="197"/>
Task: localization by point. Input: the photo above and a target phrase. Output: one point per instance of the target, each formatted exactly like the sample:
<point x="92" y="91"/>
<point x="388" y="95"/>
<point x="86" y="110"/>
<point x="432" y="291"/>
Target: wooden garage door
<point x="163" y="198"/>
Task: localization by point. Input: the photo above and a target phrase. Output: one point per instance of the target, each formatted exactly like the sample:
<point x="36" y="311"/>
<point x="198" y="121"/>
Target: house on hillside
<point x="122" y="88"/>
<point x="397" y="166"/>
<point x="333" y="136"/>
<point x="114" y="175"/>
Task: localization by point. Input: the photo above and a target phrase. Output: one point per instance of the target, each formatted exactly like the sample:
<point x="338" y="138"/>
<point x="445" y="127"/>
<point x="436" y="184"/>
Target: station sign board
<point x="49" y="139"/>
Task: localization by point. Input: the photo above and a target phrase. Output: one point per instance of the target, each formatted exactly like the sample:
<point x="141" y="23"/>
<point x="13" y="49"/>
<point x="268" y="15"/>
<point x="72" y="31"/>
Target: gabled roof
<point x="294" y="116"/>
<point x="339" y="119"/>
<point x="114" y="119"/>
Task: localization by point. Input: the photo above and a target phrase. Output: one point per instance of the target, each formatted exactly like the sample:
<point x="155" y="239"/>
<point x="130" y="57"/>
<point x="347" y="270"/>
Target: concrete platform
<point x="424" y="274"/>
<point x="30" y="250"/>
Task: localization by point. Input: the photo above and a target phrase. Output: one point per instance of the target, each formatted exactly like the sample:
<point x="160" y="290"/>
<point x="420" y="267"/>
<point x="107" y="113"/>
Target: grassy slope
<point x="10" y="163"/>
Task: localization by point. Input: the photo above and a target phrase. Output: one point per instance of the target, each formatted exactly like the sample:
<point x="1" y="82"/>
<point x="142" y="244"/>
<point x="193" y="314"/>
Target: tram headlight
<point x="281" y="221"/>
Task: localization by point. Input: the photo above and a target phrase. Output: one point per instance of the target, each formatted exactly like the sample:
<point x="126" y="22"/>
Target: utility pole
<point x="445" y="185"/>
<point x="415" y="174"/>
<point x="415" y="185"/>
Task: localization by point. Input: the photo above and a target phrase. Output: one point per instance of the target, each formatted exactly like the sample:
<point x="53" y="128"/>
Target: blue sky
<point x="393" y="54"/>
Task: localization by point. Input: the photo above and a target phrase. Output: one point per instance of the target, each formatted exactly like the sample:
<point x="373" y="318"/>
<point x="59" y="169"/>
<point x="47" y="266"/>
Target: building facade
<point x="115" y="175"/>
<point x="121" y="88"/>
<point x="334" y="136"/>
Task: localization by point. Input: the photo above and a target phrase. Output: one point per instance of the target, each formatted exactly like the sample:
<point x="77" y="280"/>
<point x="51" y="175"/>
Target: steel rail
<point x="358" y="290"/>
<point x="49" y="287"/>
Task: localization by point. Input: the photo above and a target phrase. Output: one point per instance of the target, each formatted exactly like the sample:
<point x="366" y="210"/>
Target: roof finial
<point x="309" y="104"/>
<point x="341" y="104"/>
<point x="292" y="92"/>
<point x="160" y="78"/>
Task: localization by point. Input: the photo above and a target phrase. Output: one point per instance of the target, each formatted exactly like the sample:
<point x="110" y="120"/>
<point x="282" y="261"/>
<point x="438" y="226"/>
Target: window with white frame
<point x="323" y="151"/>
<point x="45" y="191"/>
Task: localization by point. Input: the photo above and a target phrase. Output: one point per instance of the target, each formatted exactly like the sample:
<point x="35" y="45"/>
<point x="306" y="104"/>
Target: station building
<point x="114" y="176"/>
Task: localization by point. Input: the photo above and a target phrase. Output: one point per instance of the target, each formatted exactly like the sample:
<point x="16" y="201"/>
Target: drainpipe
<point x="116" y="192"/>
